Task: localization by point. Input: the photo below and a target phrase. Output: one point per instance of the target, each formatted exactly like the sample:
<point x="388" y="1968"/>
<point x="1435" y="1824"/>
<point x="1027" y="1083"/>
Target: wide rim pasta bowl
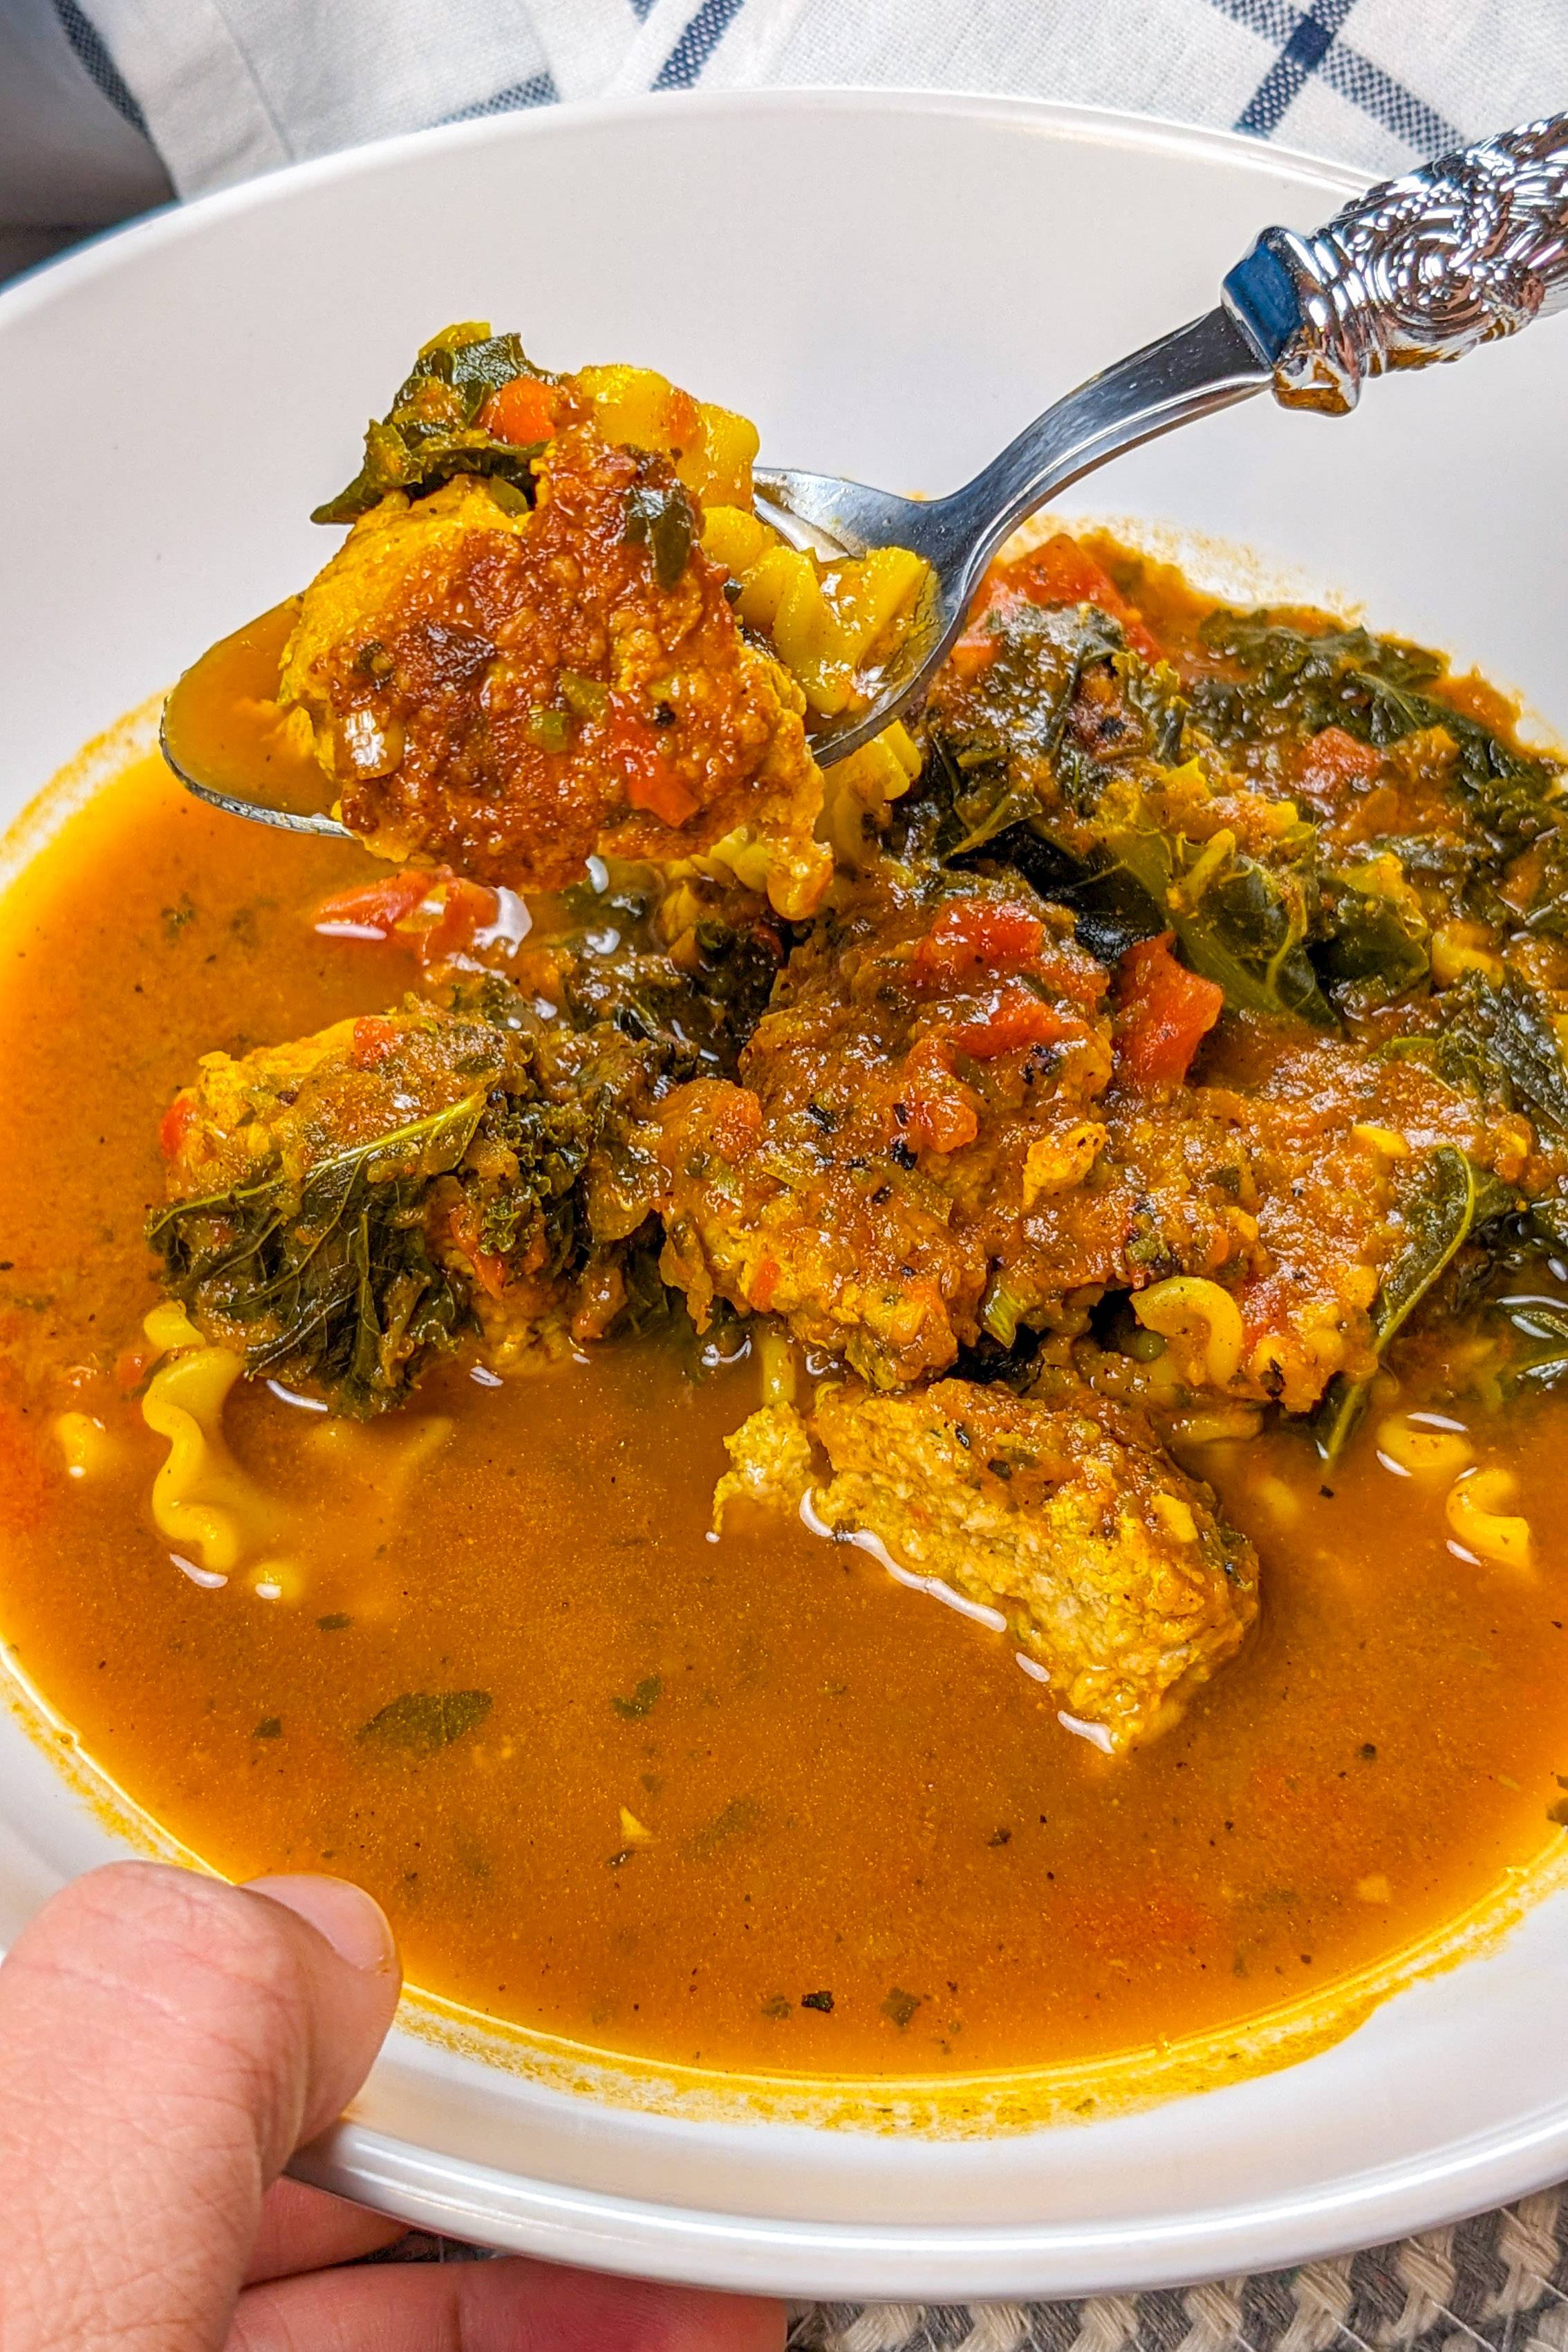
<point x="891" y="284"/>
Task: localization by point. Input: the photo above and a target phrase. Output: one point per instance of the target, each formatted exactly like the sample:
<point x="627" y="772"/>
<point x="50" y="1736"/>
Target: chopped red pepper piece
<point x="1164" y="1013"/>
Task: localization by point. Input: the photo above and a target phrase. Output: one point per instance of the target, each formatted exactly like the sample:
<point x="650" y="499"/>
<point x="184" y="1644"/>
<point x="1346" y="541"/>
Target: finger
<point x="165" y="2041"/>
<point x="507" y="2307"/>
<point x="305" y="2230"/>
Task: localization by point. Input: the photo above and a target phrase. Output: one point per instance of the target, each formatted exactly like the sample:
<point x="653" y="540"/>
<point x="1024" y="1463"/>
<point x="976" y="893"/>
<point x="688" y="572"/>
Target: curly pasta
<point x="202" y="1501"/>
<point x="827" y="622"/>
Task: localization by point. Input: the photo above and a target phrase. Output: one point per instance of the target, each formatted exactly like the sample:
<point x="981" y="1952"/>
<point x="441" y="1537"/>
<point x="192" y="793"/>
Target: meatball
<point x="1115" y="1573"/>
<point x="927" y="1072"/>
<point x="514" y="689"/>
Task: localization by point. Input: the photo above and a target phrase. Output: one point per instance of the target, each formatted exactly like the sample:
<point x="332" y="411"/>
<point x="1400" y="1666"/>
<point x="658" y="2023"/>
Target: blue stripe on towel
<point x="697" y="44"/>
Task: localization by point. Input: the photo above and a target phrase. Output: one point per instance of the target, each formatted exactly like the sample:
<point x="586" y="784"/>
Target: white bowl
<point x="890" y="286"/>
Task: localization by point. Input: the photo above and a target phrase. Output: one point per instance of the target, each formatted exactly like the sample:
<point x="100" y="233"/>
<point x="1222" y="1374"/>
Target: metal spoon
<point x="1421" y="269"/>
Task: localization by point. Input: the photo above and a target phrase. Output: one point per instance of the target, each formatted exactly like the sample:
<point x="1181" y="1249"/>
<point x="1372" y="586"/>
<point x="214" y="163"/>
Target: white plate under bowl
<point x="890" y="285"/>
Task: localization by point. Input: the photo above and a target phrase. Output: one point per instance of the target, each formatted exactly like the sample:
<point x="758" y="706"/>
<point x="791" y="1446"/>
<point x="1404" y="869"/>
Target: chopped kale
<point x="642" y="1701"/>
<point x="1446" y="1201"/>
<point x="1296" y="681"/>
<point x="420" y="1723"/>
<point x="661" y="517"/>
<point x="334" y="1271"/>
<point x="431" y="432"/>
<point x="1497" y="1039"/>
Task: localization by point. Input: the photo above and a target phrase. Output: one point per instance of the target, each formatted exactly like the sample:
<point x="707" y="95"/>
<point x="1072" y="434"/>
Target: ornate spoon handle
<point x="1420" y="268"/>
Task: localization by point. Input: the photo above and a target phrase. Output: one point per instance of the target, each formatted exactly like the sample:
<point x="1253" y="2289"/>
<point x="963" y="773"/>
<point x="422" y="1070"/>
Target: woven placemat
<point x="1499" y="2283"/>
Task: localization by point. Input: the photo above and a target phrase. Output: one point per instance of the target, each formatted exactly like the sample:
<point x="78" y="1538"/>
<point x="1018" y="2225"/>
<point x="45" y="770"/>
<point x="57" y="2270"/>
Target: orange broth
<point x="831" y="1785"/>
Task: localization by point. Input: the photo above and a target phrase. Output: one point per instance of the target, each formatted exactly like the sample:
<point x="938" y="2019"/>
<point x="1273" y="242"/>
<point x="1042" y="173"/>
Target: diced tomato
<point x="373" y="1040"/>
<point x="941" y="1119"/>
<point x="633" y="747"/>
<point x="1164" y="1013"/>
<point x="176" y="1125"/>
<point x="373" y="910"/>
<point x="968" y="933"/>
<point x="1016" y="1017"/>
<point x="490" y="1271"/>
<point x="764" y="1283"/>
<point x="466" y="907"/>
<point x="734" y="1122"/>
<point x="1058" y="572"/>
<point x="1333" y="758"/>
<point x="132" y="1364"/>
<point x="522" y="412"/>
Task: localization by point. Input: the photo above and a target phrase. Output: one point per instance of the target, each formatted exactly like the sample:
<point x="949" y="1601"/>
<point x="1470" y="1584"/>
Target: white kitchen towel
<point x="227" y="88"/>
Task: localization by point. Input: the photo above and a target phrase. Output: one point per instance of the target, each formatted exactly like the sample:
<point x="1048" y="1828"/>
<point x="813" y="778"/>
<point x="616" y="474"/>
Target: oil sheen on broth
<point x="736" y="1802"/>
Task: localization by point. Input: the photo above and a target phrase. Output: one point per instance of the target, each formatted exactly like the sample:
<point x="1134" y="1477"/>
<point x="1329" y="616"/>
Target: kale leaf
<point x="332" y="1271"/>
<point x="1297" y="682"/>
<point x="1446" y="1201"/>
<point x="1370" y="948"/>
<point x="1498" y="1041"/>
<point x="431" y="432"/>
<point x="1010" y="758"/>
<point x="1237" y="921"/>
<point x="661" y="517"/>
<point x="421" y="1723"/>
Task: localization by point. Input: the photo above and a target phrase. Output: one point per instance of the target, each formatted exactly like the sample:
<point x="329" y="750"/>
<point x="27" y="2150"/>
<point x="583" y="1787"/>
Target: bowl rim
<point x="1096" y="125"/>
<point x="606" y="2230"/>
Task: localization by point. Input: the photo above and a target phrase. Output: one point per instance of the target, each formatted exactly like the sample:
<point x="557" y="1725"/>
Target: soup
<point x="585" y="1343"/>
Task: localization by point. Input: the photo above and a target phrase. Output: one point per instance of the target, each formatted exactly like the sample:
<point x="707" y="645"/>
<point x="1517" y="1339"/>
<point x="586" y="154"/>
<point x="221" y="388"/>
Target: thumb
<point x="165" y="2042"/>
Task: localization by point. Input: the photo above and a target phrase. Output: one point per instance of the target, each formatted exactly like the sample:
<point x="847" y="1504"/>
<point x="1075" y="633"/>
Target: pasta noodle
<point x="202" y="1501"/>
<point x="827" y="621"/>
<point x="1201" y="1317"/>
<point x="204" y="1504"/>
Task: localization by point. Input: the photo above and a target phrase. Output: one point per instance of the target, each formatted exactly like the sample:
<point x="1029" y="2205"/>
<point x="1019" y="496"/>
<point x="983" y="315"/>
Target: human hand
<point x="166" y="2041"/>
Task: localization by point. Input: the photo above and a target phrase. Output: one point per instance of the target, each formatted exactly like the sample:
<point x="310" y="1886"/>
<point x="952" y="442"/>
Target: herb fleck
<point x="820" y="2001"/>
<point x="272" y="1728"/>
<point x="421" y="1722"/>
<point x="901" y="2006"/>
<point x="740" y="1814"/>
<point x="642" y="1701"/>
<point x="334" y="1623"/>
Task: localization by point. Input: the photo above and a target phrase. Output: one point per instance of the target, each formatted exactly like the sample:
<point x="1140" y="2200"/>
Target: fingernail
<point x="352" y="1922"/>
